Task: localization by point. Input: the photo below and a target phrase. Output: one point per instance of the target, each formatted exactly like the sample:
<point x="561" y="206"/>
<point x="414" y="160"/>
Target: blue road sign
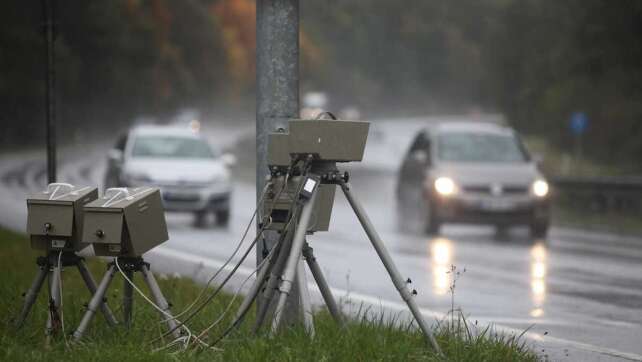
<point x="579" y="122"/>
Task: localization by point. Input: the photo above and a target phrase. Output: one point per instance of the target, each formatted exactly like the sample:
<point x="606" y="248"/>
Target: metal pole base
<point x="265" y="297"/>
<point x="291" y="266"/>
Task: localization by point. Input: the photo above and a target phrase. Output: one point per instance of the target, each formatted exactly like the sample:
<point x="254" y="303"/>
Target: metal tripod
<point x="52" y="265"/>
<point x="284" y="268"/>
<point x="129" y="267"/>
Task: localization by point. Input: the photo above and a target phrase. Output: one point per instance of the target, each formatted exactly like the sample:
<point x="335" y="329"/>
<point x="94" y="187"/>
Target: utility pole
<point x="50" y="80"/>
<point x="277" y="95"/>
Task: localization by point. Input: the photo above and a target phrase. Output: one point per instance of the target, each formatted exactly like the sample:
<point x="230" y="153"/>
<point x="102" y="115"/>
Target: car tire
<point x="222" y="217"/>
<point x="539" y="229"/>
<point x="200" y="219"/>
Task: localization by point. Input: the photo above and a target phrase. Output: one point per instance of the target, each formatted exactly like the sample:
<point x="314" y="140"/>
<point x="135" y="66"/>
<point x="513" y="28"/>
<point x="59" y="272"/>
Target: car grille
<point x="506" y="189"/>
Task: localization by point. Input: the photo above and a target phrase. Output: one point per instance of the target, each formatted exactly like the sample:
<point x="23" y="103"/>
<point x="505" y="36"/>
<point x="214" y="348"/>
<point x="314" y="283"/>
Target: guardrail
<point x="620" y="195"/>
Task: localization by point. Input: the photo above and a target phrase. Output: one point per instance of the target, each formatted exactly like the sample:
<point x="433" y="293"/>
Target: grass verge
<point x="365" y="338"/>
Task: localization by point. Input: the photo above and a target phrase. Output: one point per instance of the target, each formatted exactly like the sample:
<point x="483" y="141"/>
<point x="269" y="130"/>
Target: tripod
<point x="286" y="268"/>
<point x="52" y="265"/>
<point x="128" y="265"/>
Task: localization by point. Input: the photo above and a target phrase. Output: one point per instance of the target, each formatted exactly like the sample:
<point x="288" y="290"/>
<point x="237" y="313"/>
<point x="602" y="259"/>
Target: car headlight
<point x="445" y="186"/>
<point x="540" y="188"/>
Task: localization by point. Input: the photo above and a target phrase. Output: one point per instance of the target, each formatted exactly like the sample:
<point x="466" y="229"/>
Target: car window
<point x="172" y="147"/>
<point x="479" y="147"/>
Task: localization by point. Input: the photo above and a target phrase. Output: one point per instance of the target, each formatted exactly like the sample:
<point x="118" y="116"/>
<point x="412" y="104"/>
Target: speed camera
<point x="327" y="140"/>
<point x="55" y="217"/>
<point x="323" y="143"/>
<point x="125" y="222"/>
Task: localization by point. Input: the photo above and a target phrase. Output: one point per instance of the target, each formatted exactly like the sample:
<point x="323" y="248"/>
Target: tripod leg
<point x="322" y="284"/>
<point x="128" y="298"/>
<point x="258" y="283"/>
<point x="293" y="259"/>
<point x="272" y="282"/>
<point x="397" y="280"/>
<point x="95" y="302"/>
<point x="91" y="285"/>
<point x="306" y="304"/>
<point x="160" y="299"/>
<point x="32" y="294"/>
<point x="53" y="319"/>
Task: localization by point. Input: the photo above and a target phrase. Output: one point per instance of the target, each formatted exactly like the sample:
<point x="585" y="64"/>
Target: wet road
<point x="579" y="292"/>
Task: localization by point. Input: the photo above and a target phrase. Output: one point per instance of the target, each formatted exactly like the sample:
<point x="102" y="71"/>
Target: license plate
<point x="497" y="205"/>
<point x="180" y="196"/>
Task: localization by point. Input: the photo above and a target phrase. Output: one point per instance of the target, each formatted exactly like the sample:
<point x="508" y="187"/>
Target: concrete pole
<point x="277" y="91"/>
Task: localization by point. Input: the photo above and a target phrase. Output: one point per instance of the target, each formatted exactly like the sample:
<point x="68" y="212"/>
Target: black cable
<point x="215" y="293"/>
<point x="264" y="225"/>
<point x="291" y="214"/>
<point x="240" y="318"/>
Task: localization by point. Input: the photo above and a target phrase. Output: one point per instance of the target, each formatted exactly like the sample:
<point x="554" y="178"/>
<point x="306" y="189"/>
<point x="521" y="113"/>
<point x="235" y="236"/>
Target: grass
<point x="366" y="337"/>
<point x="558" y="162"/>
<point x="610" y="222"/>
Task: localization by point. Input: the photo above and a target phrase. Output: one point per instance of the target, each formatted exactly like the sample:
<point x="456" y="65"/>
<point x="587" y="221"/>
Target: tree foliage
<point x="535" y="61"/>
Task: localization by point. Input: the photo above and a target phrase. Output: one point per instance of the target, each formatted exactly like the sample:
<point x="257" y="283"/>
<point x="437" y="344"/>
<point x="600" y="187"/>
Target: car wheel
<point x="222" y="217"/>
<point x="539" y="229"/>
<point x="200" y="219"/>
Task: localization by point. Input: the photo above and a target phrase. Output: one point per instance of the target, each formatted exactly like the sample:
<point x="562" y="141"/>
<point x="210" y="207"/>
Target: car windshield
<point x="479" y="147"/>
<point x="171" y="147"/>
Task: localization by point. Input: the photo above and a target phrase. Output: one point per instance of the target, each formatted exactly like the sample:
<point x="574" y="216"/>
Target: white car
<point x="193" y="176"/>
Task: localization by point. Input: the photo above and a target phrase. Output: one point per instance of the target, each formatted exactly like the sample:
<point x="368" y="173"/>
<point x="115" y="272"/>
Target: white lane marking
<point x="398" y="306"/>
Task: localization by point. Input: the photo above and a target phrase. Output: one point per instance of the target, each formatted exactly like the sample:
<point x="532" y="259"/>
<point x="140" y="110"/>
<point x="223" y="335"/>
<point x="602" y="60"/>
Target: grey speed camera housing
<point x="125" y="222"/>
<point x="326" y="142"/>
<point x="55" y="217"/>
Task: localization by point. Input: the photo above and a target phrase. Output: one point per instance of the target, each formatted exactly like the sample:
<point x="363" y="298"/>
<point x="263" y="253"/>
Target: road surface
<point x="578" y="293"/>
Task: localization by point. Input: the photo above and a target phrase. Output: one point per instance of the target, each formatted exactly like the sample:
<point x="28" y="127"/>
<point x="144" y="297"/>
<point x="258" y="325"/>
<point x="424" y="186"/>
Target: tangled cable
<point x="264" y="224"/>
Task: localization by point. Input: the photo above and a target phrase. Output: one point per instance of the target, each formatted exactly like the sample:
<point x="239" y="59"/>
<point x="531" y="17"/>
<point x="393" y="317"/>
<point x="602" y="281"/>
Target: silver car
<point x="471" y="172"/>
<point x="192" y="175"/>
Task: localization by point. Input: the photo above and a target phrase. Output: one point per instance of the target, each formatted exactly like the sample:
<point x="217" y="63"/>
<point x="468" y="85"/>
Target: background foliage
<point x="535" y="61"/>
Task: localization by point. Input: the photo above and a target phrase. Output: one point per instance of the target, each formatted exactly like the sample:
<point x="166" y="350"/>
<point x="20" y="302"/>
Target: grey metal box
<point x="331" y="140"/>
<point x="125" y="222"/>
<point x="55" y="217"/>
<point x="279" y="209"/>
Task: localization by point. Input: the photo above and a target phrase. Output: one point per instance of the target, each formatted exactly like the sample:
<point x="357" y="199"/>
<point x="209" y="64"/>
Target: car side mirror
<point x="115" y="155"/>
<point x="228" y="159"/>
<point x="537" y="159"/>
<point x="420" y="157"/>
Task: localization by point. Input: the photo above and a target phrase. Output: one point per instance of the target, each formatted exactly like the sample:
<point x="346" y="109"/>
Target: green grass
<point x="559" y="163"/>
<point x="364" y="339"/>
<point x="609" y="222"/>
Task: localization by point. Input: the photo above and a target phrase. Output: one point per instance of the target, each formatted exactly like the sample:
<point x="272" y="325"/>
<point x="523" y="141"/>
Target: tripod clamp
<point x="130" y="264"/>
<point x="335" y="177"/>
